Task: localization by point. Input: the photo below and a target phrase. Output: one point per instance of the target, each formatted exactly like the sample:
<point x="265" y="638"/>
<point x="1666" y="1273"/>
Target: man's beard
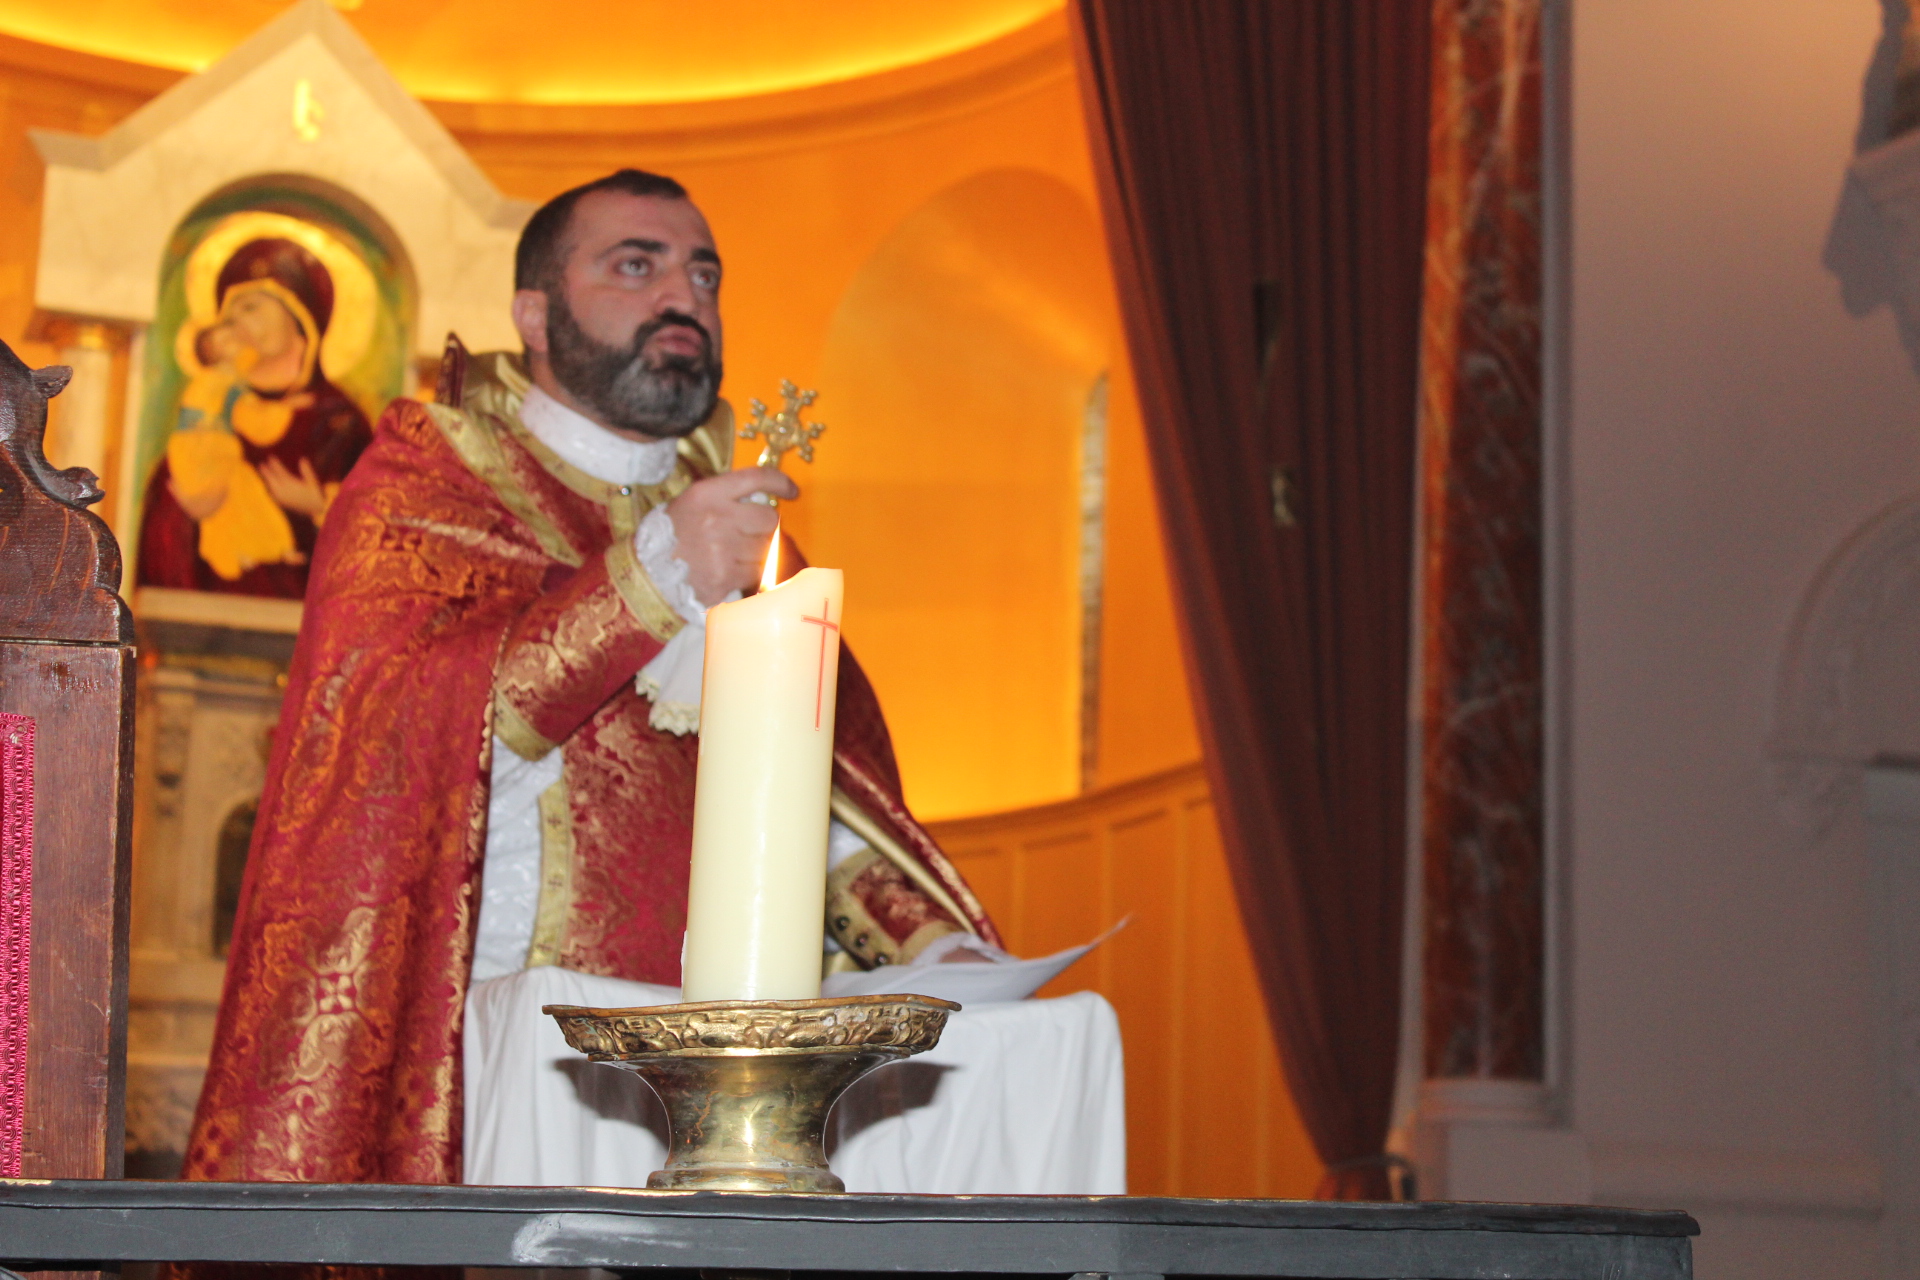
<point x="668" y="397"/>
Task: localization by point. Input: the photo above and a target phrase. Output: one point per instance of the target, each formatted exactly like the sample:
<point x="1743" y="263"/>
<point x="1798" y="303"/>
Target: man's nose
<point x="676" y="294"/>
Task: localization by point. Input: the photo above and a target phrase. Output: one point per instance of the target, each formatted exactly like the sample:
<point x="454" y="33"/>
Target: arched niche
<point x="1849" y="685"/>
<point x="1846" y="751"/>
<point x="376" y="291"/>
<point x="957" y="376"/>
<point x="230" y="868"/>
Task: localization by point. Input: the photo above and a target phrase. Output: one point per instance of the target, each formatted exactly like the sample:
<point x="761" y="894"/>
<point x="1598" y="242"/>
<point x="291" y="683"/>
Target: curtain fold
<point x="1263" y="166"/>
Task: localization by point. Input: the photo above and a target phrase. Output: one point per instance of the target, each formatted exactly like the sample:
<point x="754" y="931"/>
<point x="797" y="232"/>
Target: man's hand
<point x="721" y="535"/>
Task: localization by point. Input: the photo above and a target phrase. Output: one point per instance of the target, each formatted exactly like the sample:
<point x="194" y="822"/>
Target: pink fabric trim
<point x="16" y="930"/>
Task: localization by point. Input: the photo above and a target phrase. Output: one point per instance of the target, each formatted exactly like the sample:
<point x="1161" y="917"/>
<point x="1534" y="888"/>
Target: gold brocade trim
<point x="479" y="448"/>
<point x="626" y="504"/>
<point x="942" y="869"/>
<point x="512" y="728"/>
<point x="853" y="926"/>
<point x="898" y="1025"/>
<point x="856" y="820"/>
<point x="556" y="876"/>
<point x="649" y="608"/>
<point x="490" y="543"/>
<point x="709" y="446"/>
<point x="849" y="922"/>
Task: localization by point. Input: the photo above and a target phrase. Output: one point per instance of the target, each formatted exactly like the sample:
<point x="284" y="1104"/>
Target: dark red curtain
<point x="1263" y="168"/>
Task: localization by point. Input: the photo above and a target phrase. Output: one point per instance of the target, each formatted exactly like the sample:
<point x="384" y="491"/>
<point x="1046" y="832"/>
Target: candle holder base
<point x="747" y="1084"/>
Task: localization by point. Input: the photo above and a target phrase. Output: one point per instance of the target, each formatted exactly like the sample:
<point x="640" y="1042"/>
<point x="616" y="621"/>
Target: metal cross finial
<point x="784" y="431"/>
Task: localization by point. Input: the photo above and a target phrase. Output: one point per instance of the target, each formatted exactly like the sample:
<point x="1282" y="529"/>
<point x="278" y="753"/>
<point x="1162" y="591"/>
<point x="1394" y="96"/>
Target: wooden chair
<point x="66" y="788"/>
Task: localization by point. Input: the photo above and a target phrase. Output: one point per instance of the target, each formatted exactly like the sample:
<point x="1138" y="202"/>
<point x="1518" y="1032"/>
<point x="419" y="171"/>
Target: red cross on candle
<point x="825" y="624"/>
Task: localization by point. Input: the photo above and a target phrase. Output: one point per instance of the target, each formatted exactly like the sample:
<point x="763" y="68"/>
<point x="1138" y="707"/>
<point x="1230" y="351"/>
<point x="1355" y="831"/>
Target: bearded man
<point x="483" y="761"/>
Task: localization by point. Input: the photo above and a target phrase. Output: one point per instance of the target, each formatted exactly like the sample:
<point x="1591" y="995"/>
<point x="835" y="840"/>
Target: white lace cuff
<point x="673" y="679"/>
<point x="655" y="544"/>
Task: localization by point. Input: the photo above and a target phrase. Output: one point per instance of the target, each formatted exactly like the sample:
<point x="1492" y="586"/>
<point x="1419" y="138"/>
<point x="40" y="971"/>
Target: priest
<point x="485" y="759"/>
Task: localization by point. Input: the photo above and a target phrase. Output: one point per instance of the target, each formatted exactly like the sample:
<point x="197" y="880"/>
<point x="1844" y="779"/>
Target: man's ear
<point x="530" y="319"/>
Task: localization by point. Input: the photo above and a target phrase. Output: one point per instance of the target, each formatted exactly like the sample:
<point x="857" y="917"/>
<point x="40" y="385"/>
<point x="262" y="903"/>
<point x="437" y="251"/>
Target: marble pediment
<point x="303" y="96"/>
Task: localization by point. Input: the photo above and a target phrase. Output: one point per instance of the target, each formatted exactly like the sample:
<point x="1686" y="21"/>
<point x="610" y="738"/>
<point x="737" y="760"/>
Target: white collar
<point x="584" y="443"/>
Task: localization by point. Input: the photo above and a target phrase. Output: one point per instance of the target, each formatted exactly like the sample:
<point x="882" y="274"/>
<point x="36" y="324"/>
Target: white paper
<point x="965" y="984"/>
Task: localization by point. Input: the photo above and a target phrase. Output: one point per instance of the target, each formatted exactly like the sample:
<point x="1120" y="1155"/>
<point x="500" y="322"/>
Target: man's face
<point x="632" y="332"/>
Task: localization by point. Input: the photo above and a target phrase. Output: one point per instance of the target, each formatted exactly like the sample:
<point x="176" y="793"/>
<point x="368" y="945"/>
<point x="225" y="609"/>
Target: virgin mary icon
<point x="261" y="439"/>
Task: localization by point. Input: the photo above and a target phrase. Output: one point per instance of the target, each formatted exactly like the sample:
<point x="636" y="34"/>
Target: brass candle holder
<point x="747" y="1084"/>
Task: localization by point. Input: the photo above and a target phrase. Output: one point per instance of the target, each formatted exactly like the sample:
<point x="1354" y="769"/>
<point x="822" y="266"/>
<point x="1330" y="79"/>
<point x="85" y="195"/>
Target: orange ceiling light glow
<point x="562" y="51"/>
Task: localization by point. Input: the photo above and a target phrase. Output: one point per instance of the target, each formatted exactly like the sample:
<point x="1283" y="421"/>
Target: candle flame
<point x="770" y="576"/>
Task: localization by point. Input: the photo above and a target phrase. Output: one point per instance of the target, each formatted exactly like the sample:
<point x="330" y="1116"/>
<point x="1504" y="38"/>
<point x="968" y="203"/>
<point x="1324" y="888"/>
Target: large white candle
<point x="756" y="905"/>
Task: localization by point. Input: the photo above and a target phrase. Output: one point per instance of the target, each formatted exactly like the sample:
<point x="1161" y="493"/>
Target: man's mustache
<point x="644" y="334"/>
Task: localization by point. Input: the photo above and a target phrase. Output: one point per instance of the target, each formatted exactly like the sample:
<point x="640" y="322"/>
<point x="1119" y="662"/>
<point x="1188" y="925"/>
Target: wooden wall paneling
<point x="1143" y="977"/>
<point x="990" y="871"/>
<point x="1224" y="1022"/>
<point x="1283" y="1162"/>
<point x="1060" y="900"/>
<point x="1208" y="1111"/>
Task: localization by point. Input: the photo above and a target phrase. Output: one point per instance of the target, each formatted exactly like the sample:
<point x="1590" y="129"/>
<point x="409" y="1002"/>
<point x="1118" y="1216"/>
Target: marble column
<point x="1481" y="635"/>
<point x="85" y="420"/>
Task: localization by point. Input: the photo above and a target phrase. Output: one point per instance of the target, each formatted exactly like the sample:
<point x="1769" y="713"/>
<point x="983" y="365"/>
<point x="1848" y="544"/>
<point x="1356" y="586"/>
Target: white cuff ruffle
<point x="673" y="679"/>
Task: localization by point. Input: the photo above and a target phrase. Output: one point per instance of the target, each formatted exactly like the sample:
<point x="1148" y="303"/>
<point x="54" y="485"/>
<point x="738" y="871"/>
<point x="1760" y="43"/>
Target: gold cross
<point x="784" y="432"/>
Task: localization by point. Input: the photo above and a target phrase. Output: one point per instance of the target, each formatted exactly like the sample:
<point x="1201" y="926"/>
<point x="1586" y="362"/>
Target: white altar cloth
<point x="1026" y="1097"/>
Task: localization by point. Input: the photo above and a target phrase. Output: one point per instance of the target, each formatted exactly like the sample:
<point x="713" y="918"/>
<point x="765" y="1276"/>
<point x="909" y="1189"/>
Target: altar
<point x="1020" y="1098"/>
<point x="83" y="1225"/>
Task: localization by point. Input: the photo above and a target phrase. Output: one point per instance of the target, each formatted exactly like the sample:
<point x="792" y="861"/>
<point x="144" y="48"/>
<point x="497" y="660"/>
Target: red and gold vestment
<point x="469" y="584"/>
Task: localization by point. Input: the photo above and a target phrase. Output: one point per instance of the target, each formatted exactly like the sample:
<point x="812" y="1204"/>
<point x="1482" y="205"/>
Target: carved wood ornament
<point x="59" y="563"/>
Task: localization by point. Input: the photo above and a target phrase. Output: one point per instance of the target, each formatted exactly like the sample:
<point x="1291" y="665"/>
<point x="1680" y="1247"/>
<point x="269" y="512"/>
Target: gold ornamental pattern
<point x="902" y="1025"/>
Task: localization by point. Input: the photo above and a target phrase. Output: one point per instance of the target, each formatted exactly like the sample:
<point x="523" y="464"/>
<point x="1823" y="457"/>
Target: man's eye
<point x="634" y="267"/>
<point x="707" y="279"/>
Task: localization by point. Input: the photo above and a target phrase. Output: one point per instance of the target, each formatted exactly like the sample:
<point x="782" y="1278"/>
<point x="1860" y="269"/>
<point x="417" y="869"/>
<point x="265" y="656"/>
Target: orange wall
<point x="964" y="355"/>
<point x="1146" y="721"/>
